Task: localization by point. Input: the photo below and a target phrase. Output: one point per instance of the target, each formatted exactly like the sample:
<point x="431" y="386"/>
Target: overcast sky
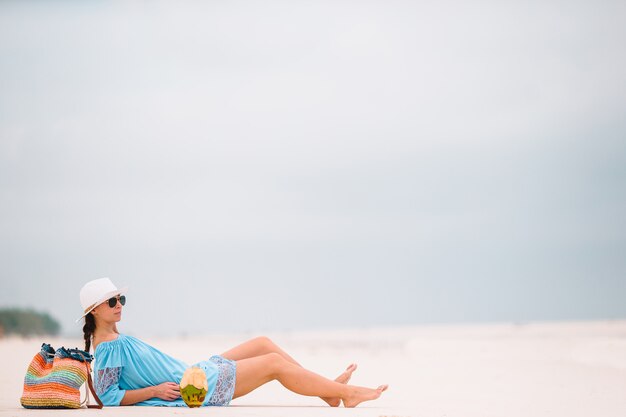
<point x="254" y="166"/>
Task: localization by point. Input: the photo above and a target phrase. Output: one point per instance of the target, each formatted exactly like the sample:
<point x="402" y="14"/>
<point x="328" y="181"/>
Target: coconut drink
<point x="193" y="387"/>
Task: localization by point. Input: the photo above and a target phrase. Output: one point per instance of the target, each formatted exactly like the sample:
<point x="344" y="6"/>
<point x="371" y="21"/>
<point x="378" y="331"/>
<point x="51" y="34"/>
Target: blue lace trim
<point x="106" y="377"/>
<point x="225" y="387"/>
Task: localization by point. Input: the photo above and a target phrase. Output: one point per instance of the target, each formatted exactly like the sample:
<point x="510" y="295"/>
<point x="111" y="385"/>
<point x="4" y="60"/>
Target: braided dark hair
<point x="88" y="329"/>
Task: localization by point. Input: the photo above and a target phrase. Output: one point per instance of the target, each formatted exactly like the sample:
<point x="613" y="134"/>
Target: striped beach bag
<point x="54" y="378"/>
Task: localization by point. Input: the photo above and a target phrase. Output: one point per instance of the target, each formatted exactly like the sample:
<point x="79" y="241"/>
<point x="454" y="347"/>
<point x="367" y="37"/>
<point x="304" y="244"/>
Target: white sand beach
<point x="537" y="369"/>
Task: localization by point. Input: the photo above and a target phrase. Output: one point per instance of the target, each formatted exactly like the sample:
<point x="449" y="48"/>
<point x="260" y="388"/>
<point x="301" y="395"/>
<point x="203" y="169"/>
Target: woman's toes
<point x="346" y="375"/>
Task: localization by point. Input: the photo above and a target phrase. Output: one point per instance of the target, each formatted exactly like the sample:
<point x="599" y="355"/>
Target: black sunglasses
<point x="113" y="300"/>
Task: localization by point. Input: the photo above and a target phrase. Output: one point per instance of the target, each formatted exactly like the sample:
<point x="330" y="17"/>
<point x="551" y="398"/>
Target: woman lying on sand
<point x="128" y="371"/>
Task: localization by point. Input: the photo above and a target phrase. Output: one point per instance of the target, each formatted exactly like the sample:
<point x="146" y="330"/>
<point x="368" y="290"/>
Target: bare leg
<point x="254" y="372"/>
<point x="263" y="345"/>
<point x="256" y="347"/>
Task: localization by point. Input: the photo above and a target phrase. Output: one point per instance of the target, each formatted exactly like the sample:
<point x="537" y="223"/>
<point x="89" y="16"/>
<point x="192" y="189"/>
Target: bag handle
<point x="90" y="384"/>
<point x="93" y="391"/>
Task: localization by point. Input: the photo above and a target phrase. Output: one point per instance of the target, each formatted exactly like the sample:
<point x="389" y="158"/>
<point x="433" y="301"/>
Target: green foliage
<point x="27" y="322"/>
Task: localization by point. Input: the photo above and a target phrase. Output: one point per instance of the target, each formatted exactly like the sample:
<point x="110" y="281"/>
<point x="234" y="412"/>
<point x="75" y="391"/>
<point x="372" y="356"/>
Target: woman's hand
<point x="168" y="391"/>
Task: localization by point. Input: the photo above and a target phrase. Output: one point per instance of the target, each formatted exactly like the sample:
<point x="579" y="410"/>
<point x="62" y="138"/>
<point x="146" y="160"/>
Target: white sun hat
<point x="96" y="292"/>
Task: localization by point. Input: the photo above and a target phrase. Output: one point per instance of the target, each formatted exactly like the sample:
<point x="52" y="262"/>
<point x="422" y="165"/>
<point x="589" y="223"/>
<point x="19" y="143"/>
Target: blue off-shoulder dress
<point x="127" y="363"/>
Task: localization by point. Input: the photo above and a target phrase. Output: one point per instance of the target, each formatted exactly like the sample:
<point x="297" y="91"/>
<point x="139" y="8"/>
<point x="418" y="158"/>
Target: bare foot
<point x="344" y="378"/>
<point x="360" y="394"/>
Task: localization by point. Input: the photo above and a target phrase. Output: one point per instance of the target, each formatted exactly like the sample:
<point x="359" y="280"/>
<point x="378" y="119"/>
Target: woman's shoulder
<point x="118" y="350"/>
<point x="115" y="341"/>
<point x="108" y="340"/>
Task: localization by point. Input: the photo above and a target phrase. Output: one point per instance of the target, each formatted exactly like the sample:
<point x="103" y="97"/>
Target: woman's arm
<point x="166" y="391"/>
